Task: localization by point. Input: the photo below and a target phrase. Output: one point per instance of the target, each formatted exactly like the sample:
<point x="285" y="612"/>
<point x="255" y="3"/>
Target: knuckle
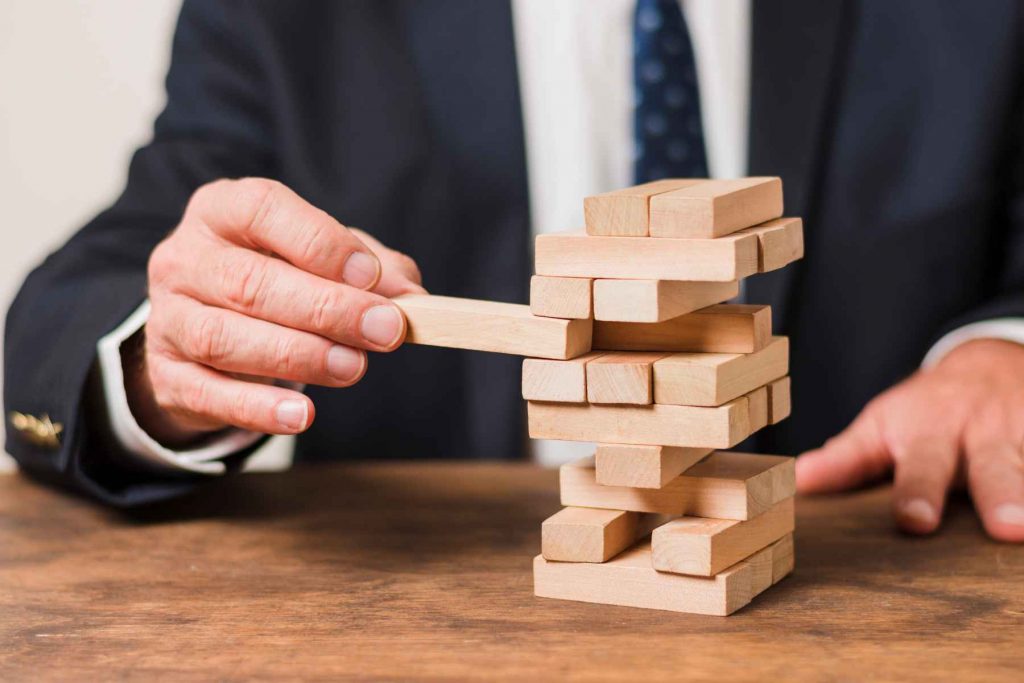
<point x="198" y="398"/>
<point x="162" y="263"/>
<point x="201" y="196"/>
<point x="207" y="340"/>
<point x="245" y="283"/>
<point x="207" y="196"/>
<point x="256" y="198"/>
<point x="315" y="240"/>
<point x="245" y="411"/>
<point x="329" y="307"/>
<point x="286" y="357"/>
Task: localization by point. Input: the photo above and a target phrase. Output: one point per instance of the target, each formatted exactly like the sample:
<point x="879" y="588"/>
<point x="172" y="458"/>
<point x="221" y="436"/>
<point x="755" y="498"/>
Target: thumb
<point x="854" y="457"/>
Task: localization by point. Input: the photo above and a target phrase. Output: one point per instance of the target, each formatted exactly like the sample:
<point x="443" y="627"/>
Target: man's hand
<point x="256" y="285"/>
<point x="962" y="420"/>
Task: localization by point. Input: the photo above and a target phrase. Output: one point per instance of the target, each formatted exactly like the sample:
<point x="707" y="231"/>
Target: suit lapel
<point x="796" y="55"/>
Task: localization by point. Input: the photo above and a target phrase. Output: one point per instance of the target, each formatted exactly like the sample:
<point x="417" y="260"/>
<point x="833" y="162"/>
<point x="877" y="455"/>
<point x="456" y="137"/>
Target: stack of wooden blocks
<point x="675" y="374"/>
<point x="629" y="345"/>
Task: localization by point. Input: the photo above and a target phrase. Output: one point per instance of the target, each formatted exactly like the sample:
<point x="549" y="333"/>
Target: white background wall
<point x="80" y="83"/>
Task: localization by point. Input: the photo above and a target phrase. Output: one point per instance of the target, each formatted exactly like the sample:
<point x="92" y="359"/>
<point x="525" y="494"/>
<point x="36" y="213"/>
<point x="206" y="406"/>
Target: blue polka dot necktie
<point x="668" y="136"/>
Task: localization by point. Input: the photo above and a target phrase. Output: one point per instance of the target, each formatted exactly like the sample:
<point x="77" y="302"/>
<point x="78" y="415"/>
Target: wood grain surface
<point x="413" y="572"/>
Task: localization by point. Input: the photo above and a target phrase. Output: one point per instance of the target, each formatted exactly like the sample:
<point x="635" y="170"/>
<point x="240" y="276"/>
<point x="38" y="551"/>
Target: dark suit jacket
<point x="896" y="127"/>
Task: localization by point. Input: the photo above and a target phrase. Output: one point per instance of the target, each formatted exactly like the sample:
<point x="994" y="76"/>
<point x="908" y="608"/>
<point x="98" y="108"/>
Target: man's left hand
<point x="960" y="421"/>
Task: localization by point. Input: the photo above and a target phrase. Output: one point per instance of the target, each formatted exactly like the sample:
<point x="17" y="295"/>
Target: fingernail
<point x="344" y="363"/>
<point x="919" y="510"/>
<point x="360" y="270"/>
<point x="1010" y="513"/>
<point x="382" y="325"/>
<point x="292" y="415"/>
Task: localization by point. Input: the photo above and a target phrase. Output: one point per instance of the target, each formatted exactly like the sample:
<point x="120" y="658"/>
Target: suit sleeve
<point x="216" y="124"/>
<point x="1005" y="303"/>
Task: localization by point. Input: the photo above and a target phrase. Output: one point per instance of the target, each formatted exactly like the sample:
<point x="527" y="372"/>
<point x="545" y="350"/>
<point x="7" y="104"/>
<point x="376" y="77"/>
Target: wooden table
<point x="412" y="571"/>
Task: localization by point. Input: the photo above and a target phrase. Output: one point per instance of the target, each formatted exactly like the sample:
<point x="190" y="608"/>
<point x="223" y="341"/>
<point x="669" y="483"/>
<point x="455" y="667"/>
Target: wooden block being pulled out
<point x="562" y="381"/>
<point x="711" y="379"/>
<point x="561" y="297"/>
<point x="704" y="547"/>
<point x="715" y="208"/>
<point x="779" y="405"/>
<point x="627" y="212"/>
<point x="491" y="326"/>
<point x="577" y="254"/>
<point x="651" y="301"/>
<point x="724" y="485"/>
<point x="724" y="328"/>
<point x="623" y="378"/>
<point x="647" y="467"/>
<point x="689" y="426"/>
<point x="592" y="535"/>
<point x="629" y="580"/>
<point x="780" y="242"/>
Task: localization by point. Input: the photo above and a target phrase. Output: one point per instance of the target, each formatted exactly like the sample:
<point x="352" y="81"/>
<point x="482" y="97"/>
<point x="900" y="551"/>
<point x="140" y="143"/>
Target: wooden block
<point x="491" y="326"/>
<point x="725" y="328"/>
<point x="648" y="467"/>
<point x="626" y="212"/>
<point x="587" y="534"/>
<point x="576" y="254"/>
<point x="724" y="485"/>
<point x="757" y="406"/>
<point x="622" y="377"/>
<point x="780" y="242"/>
<point x="629" y="580"/>
<point x="563" y="381"/>
<point x="779" y="405"/>
<point x="561" y="297"/>
<point x="783" y="558"/>
<point x="704" y="547"/>
<point x="715" y="208"/>
<point x="651" y="301"/>
<point x="711" y="379"/>
<point x="593" y="535"/>
<point x="689" y="426"/>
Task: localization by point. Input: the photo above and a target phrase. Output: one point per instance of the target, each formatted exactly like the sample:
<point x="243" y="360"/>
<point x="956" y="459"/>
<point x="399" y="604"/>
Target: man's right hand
<point x="256" y="285"/>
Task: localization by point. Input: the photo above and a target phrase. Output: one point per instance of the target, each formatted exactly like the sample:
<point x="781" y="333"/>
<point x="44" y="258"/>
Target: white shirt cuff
<point x="131" y="437"/>
<point x="1006" y="329"/>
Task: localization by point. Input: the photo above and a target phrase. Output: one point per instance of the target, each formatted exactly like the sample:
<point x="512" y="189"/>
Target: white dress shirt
<point x="575" y="73"/>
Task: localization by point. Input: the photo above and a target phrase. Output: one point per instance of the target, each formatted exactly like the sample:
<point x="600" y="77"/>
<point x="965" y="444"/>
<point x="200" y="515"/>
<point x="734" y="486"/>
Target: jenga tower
<point x="629" y="345"/>
<point x="673" y="375"/>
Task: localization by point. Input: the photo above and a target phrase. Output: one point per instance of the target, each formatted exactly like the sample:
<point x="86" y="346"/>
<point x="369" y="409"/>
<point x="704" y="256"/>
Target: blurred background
<point x="104" y="61"/>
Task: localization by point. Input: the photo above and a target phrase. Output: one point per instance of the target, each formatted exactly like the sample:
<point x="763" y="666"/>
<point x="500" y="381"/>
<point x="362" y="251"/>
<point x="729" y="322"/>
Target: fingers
<point x="854" y="457"/>
<point x="995" y="476"/>
<point x="924" y="473"/>
<point x="400" y="274"/>
<point x="201" y="398"/>
<point x="240" y="345"/>
<point x="263" y="214"/>
<point x="272" y="290"/>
